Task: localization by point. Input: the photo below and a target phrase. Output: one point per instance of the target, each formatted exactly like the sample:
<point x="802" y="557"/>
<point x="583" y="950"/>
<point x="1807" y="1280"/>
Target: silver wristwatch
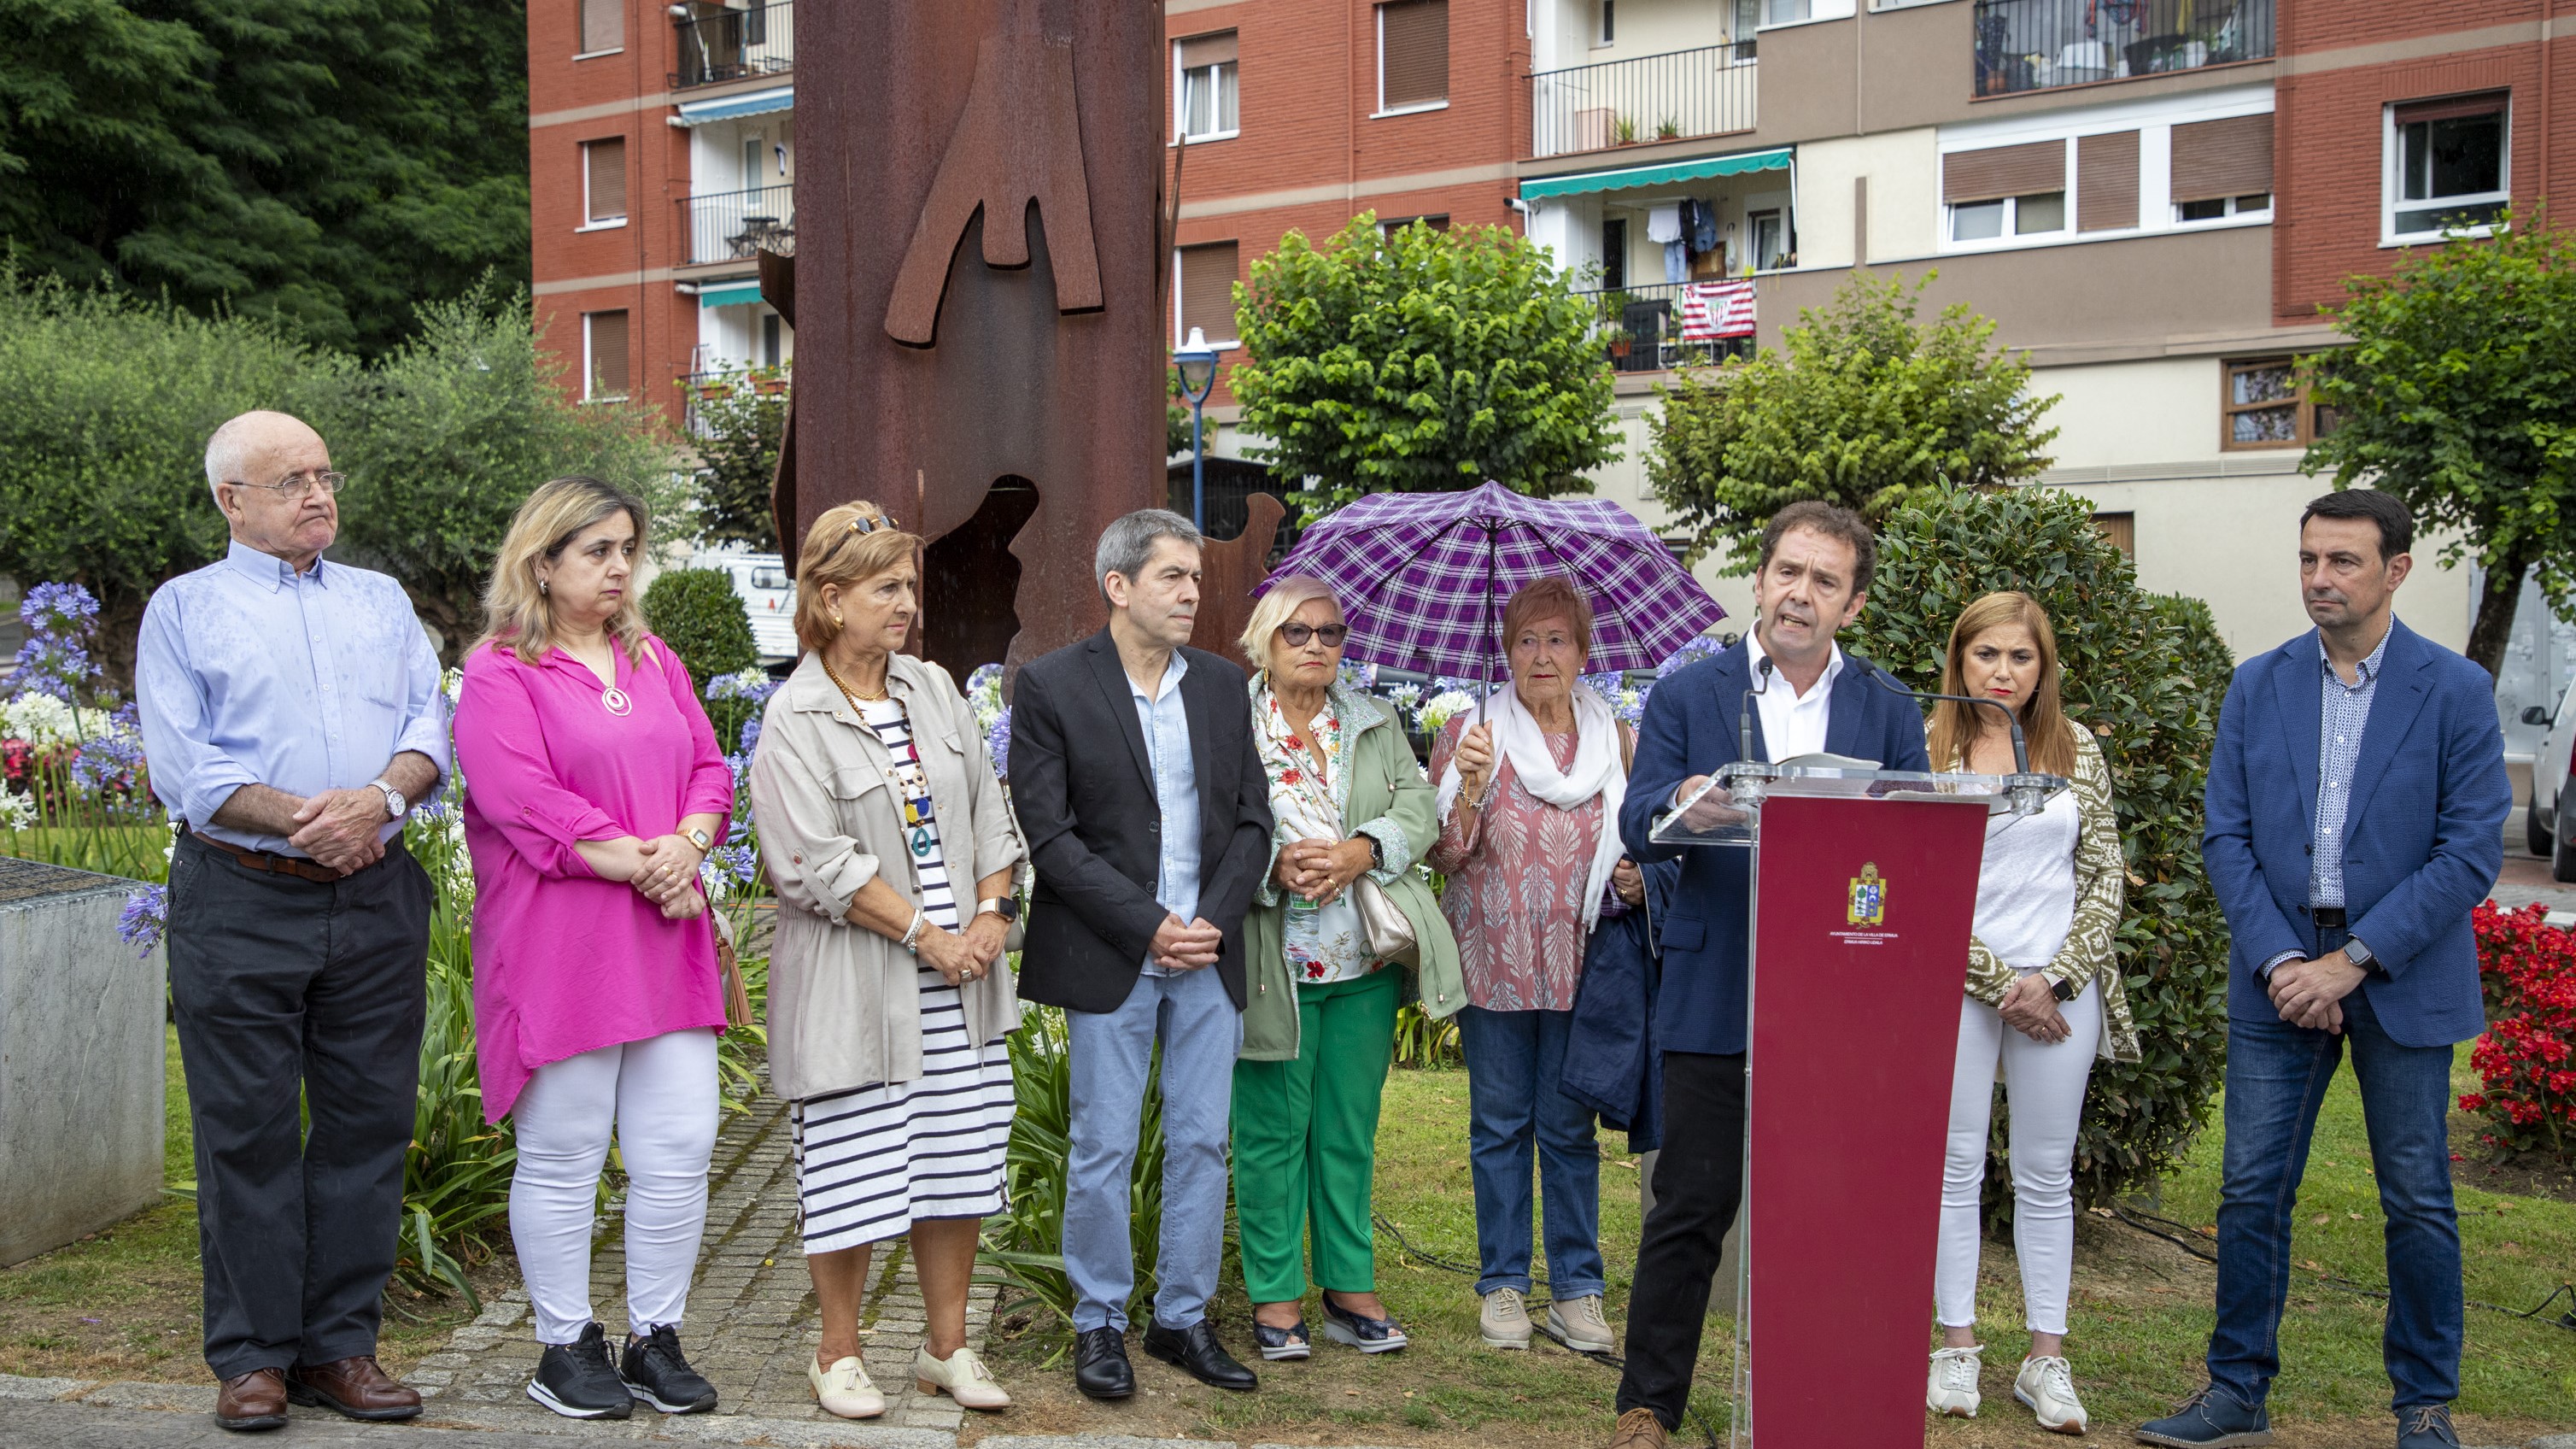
<point x="395" y="805"/>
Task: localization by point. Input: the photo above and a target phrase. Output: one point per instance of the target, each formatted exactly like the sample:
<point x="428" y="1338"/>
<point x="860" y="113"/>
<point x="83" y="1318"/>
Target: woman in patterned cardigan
<point x="2043" y="997"/>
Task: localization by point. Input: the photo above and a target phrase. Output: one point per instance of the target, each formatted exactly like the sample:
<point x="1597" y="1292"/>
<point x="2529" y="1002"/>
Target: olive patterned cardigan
<point x="2101" y="878"/>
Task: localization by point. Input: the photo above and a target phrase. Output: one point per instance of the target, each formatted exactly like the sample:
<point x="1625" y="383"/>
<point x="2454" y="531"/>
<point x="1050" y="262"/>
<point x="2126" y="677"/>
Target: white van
<point x="768" y="596"/>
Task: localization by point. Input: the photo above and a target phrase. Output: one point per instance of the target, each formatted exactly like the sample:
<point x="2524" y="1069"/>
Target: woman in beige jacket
<point x="889" y="994"/>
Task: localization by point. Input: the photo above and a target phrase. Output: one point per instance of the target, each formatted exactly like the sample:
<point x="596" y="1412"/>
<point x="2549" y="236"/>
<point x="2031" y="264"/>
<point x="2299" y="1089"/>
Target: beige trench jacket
<point x="845" y="1002"/>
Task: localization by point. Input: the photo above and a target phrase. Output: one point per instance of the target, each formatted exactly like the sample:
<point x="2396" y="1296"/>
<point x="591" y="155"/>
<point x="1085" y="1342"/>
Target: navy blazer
<point x="2423" y="834"/>
<point x="1690" y="729"/>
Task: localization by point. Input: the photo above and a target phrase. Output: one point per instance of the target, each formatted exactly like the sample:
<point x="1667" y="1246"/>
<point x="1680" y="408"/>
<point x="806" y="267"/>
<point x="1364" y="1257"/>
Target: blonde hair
<point x="847" y="545"/>
<point x="516" y="613"/>
<point x="2043" y="719"/>
<point x="1288" y="593"/>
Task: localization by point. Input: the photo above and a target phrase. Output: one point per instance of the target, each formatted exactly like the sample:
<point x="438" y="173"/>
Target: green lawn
<point x="134" y="851"/>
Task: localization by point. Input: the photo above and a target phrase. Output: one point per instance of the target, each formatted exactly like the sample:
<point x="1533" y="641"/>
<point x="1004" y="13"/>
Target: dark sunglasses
<point x="860" y="523"/>
<point x="1297" y="634"/>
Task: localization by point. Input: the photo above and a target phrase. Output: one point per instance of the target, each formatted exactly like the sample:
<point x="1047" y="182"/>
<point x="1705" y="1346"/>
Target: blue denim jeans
<point x="2276" y="1080"/>
<point x="1514" y="1061"/>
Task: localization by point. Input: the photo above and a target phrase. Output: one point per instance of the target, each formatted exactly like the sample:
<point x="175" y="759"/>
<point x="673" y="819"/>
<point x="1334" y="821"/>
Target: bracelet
<point x="920" y="918"/>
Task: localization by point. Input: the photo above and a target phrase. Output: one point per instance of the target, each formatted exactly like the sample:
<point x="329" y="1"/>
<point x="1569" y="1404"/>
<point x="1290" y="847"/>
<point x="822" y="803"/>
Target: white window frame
<point x="2152" y="118"/>
<point x="2010" y="238"/>
<point x="1776" y="215"/>
<point x="1181" y="323"/>
<point x="606" y="223"/>
<point x="1181" y="132"/>
<point x="2389" y="184"/>
<point x="590" y="373"/>
<point x="1383" y="110"/>
<point x="2234" y="213"/>
<point x="1605" y="24"/>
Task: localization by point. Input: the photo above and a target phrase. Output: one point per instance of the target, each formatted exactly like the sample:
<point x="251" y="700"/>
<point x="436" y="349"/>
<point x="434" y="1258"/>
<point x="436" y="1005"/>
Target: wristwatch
<point x="2360" y="955"/>
<point x="703" y="841"/>
<point x="1006" y="907"/>
<point x="1377" y="853"/>
<point x="2063" y="990"/>
<point x="395" y="805"/>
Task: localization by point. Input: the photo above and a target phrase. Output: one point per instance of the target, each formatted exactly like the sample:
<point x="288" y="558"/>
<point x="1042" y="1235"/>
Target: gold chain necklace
<point x="851" y="694"/>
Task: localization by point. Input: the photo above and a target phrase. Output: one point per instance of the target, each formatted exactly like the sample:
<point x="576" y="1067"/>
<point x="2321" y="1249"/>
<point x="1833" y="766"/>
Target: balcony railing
<point x="738" y="41"/>
<point x="727" y="226"/>
<point x="1641" y="330"/>
<point x="1670" y="97"/>
<point x="715" y="380"/>
<point x="2029" y="45"/>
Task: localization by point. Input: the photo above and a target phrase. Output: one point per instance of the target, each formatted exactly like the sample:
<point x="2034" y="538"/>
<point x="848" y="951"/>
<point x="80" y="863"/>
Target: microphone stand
<point x="2022" y="786"/>
<point x="1744" y="721"/>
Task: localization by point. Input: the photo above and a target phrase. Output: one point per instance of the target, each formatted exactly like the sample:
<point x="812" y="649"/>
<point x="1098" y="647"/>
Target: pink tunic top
<point x="565" y="962"/>
<point x="1515" y="890"/>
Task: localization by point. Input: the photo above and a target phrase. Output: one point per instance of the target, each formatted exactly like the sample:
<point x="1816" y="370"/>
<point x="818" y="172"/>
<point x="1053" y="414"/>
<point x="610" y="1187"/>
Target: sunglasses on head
<point x="1297" y="634"/>
<point x="861" y="523"/>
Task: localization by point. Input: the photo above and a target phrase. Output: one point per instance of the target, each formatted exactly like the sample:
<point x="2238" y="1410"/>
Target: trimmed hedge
<point x="699" y="615"/>
<point x="2146" y="673"/>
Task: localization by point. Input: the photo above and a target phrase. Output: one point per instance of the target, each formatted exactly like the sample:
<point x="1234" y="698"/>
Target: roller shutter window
<point x="2218" y="159"/>
<point x="604" y="337"/>
<point x="1210" y="86"/>
<point x="603" y="166"/>
<point x="2106" y="182"/>
<point x="1412" y="54"/>
<point x="603" y="25"/>
<point x="1207" y="276"/>
<point x="2001" y="171"/>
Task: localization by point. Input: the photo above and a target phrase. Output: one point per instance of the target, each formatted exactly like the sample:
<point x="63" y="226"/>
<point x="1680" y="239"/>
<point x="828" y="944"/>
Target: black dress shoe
<point x="1195" y="1351"/>
<point x="1100" y="1364"/>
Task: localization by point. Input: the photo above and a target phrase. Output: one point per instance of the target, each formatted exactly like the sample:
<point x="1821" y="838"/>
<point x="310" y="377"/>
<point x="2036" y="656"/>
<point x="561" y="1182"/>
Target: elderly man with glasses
<point x="291" y="712"/>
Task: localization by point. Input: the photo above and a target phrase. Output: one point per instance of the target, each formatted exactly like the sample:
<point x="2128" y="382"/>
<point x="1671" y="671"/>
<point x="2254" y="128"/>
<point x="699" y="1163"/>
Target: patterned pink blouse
<point x="1515" y="887"/>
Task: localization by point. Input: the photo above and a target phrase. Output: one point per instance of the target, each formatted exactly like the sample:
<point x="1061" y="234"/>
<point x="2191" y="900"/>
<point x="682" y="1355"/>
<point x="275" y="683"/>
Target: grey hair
<point x="1126" y="544"/>
<point x="228" y="451"/>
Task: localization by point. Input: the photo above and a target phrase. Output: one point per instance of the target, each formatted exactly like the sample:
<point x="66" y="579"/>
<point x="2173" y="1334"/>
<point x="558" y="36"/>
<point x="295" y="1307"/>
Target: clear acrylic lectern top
<point x="1728" y="809"/>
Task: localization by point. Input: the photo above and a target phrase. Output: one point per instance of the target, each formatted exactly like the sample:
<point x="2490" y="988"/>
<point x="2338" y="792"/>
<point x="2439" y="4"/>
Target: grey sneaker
<point x="1579" y="1323"/>
<point x="1504" y="1319"/>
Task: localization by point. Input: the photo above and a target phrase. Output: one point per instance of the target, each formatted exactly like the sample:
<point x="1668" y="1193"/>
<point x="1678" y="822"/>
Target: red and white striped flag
<point x="1714" y="310"/>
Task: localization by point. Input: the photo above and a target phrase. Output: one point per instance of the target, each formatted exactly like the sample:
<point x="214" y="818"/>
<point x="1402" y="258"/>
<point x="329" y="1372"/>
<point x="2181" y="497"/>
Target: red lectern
<point x="1865" y="885"/>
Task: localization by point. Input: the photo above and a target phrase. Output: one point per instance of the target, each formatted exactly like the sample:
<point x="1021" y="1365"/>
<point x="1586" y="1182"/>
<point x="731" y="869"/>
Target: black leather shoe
<point x="1195" y="1351"/>
<point x="1100" y="1364"/>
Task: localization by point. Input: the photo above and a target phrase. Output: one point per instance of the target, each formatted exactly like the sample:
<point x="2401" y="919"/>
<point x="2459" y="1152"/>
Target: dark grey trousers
<point x="281" y="984"/>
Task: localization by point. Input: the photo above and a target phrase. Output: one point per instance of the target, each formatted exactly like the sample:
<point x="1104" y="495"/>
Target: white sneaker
<point x="1953" y="1386"/>
<point x="1504" y="1319"/>
<point x="1579" y="1322"/>
<point x="844" y="1389"/>
<point x="961" y="1376"/>
<point x="2048" y="1386"/>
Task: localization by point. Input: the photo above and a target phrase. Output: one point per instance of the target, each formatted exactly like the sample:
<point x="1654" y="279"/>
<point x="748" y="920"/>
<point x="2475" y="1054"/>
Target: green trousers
<point x="1305" y="1142"/>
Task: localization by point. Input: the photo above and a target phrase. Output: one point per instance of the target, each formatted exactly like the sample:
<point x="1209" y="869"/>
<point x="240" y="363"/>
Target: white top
<point x="2026" y="888"/>
<point x="1793" y="724"/>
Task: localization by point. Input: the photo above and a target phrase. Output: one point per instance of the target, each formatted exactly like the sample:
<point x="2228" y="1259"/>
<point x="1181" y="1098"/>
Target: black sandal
<point x="1282" y="1343"/>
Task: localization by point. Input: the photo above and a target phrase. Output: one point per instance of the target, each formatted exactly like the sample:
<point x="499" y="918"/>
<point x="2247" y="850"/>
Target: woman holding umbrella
<point x="1528" y="805"/>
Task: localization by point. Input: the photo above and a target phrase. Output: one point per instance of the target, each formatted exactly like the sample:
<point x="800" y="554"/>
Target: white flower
<point x="1440" y="708"/>
<point x="17" y="812"/>
<point x="452" y="684"/>
<point x="40" y="719"/>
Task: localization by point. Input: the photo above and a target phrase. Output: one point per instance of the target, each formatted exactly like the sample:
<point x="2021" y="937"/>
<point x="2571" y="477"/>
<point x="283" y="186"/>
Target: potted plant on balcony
<point x="1623" y="132"/>
<point x="1617" y="341"/>
<point x="1668" y="129"/>
<point x="712" y="386"/>
<point x="769" y="381"/>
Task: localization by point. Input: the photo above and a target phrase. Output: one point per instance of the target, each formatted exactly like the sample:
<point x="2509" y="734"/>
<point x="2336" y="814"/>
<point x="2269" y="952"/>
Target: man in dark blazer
<point x="1811" y="581"/>
<point x="2356" y="809"/>
<point x="1147" y="814"/>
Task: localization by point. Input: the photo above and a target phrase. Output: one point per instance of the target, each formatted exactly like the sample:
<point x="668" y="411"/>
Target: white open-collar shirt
<point x="1793" y="724"/>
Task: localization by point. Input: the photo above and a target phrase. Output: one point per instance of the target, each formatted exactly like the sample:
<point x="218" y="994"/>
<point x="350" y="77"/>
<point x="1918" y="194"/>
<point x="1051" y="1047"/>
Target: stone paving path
<point x="751" y="1323"/>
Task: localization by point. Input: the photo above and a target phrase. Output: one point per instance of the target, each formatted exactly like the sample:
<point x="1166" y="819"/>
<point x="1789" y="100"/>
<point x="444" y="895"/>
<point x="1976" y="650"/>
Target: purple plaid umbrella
<point x="1425" y="577"/>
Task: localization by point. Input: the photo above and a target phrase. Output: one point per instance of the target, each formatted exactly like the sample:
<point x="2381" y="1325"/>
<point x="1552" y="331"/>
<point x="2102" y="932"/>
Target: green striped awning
<point x="1663" y="175"/>
<point x="729" y="294"/>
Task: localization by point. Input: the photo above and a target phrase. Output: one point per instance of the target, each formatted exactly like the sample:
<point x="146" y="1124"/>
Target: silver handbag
<point x="1389" y="930"/>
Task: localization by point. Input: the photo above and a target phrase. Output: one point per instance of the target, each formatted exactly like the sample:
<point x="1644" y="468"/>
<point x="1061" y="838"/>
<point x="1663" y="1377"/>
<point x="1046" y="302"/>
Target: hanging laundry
<point x="1710" y="311"/>
<point x="1676" y="262"/>
<point x="1701" y="227"/>
<point x="1664" y="224"/>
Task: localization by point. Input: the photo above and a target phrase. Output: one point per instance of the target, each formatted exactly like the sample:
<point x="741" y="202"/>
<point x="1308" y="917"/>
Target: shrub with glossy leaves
<point x="2145" y="673"/>
<point x="699" y="615"/>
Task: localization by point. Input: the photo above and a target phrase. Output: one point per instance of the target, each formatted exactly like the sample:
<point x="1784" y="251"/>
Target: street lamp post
<point x="1197" y="363"/>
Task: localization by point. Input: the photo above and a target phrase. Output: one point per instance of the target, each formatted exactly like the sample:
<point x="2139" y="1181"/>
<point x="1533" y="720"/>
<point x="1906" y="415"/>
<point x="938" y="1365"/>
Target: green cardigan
<point x="1386" y="798"/>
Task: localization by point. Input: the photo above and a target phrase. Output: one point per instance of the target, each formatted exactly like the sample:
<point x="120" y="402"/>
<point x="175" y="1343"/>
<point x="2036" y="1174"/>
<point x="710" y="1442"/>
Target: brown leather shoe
<point x="355" y="1387"/>
<point x="1638" y="1429"/>
<point x="255" y="1400"/>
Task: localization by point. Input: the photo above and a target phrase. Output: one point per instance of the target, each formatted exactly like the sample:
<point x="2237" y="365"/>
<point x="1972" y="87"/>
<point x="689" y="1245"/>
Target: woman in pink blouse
<point x="1529" y="793"/>
<point x="594" y="788"/>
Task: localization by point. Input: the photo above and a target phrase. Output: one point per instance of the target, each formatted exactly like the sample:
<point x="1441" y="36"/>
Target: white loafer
<point x="2047" y="1385"/>
<point x="962" y="1376"/>
<point x="1952" y="1388"/>
<point x="844" y="1389"/>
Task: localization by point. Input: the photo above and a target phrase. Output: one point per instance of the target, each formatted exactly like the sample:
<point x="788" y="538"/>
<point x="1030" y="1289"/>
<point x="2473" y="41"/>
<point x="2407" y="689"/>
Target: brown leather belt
<point x="273" y="863"/>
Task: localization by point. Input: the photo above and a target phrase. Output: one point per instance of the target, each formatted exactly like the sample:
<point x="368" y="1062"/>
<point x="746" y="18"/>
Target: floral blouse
<point x="1324" y="939"/>
<point x="1515" y="885"/>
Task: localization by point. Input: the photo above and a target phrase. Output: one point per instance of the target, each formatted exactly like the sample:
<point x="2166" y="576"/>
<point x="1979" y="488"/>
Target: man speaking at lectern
<point x="1807" y="698"/>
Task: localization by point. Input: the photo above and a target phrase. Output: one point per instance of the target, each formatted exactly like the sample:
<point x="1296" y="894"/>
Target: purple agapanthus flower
<point x="750" y="735"/>
<point x="111" y="760"/>
<point x="145" y="917"/>
<point x="55" y="658"/>
<point x="997" y="743"/>
<point x="741" y="862"/>
<point x="57" y="609"/>
<point x="1701" y="646"/>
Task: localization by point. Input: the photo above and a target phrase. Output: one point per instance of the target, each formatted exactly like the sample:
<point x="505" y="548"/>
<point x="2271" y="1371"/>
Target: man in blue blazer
<point x="1811" y="581"/>
<point x="2356" y="811"/>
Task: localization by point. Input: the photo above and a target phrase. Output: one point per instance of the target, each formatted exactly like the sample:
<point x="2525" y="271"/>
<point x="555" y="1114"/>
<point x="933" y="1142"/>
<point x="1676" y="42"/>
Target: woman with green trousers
<point x="1354" y="814"/>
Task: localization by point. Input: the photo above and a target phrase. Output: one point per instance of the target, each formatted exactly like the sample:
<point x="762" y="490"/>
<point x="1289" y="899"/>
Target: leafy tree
<point x="1420" y="361"/>
<point x="741" y="430"/>
<point x="327" y="164"/>
<point x="2145" y="672"/>
<point x="2454" y="397"/>
<point x="1176" y="415"/>
<point x="1868" y="409"/>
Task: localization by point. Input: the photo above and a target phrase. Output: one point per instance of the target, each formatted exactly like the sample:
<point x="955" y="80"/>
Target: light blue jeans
<point x="1113" y="1052"/>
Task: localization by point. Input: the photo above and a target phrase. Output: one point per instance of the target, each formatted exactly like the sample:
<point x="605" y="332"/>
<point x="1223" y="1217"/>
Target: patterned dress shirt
<point x="2345" y="709"/>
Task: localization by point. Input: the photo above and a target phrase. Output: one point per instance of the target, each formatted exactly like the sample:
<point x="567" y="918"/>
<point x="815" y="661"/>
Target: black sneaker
<point x="656" y="1373"/>
<point x="577" y="1381"/>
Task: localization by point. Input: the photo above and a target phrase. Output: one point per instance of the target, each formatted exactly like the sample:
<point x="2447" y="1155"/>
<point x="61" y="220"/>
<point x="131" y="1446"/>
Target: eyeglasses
<point x="300" y="486"/>
<point x="861" y="523"/>
<point x="1297" y="634"/>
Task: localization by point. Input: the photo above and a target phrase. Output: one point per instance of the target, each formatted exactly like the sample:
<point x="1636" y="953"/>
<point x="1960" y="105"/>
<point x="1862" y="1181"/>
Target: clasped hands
<point x="2311" y="993"/>
<point x="1320" y="870"/>
<point x="338" y="828"/>
<point x="962" y="956"/>
<point x="2030" y="1007"/>
<point x="1189" y="947"/>
<point x="666" y="873"/>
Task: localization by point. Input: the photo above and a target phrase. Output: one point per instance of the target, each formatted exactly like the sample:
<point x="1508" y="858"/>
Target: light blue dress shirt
<point x="250" y="673"/>
<point x="2342" y="712"/>
<point x="1176" y="792"/>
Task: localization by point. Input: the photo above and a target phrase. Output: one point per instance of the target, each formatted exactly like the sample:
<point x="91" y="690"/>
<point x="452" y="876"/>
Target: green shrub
<point x="2146" y="673"/>
<point x="699" y="615"/>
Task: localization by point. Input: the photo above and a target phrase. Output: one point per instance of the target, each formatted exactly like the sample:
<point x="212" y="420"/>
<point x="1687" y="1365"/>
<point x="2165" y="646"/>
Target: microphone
<point x="2020" y="746"/>
<point x="1744" y="721"/>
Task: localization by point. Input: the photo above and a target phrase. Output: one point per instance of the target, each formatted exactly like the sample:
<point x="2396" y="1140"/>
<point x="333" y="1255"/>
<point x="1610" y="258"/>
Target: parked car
<point x="2545" y="825"/>
<point x="768" y="596"/>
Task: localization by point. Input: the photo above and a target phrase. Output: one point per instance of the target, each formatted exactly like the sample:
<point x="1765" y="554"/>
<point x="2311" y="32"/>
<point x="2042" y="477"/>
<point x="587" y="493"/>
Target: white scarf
<point x="1596" y="772"/>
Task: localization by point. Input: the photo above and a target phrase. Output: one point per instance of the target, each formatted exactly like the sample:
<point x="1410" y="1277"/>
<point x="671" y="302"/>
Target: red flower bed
<point x="2527" y="1059"/>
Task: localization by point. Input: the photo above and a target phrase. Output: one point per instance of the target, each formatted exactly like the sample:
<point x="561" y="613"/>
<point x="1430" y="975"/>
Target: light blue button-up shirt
<point x="250" y="673"/>
<point x="2342" y="711"/>
<point x="1176" y="793"/>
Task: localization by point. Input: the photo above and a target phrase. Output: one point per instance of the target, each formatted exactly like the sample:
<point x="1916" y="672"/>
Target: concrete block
<point x="81" y="1057"/>
<point x="185" y="1398"/>
<point x="805" y="1434"/>
<point x="2554" y="1441"/>
<point x="14" y="1387"/>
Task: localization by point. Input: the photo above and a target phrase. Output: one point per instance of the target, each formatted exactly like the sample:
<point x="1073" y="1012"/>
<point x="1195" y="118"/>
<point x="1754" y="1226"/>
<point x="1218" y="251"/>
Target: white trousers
<point x="659" y="1097"/>
<point x="2044" y="1086"/>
